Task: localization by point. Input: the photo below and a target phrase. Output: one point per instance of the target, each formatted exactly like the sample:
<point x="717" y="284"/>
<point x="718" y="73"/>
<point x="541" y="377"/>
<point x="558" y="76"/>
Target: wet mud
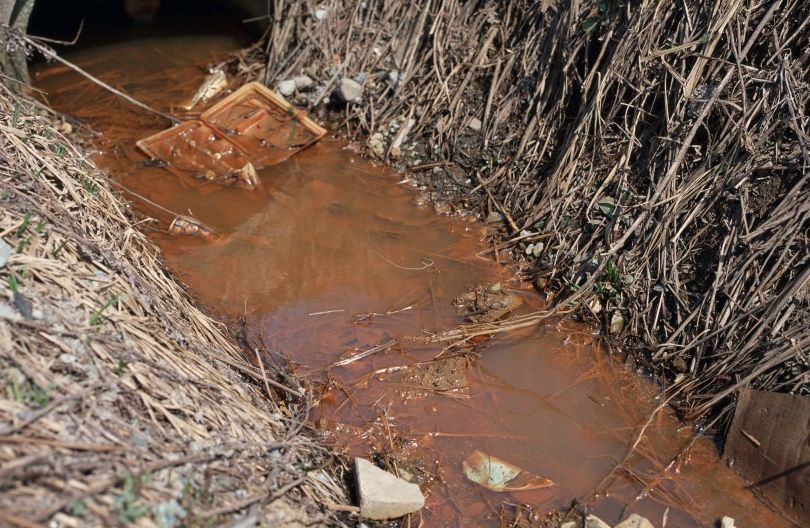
<point x="329" y="258"/>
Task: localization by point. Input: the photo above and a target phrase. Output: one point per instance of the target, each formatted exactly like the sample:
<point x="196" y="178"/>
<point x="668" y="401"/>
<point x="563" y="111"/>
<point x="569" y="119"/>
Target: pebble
<point x="377" y="144"/>
<point x="286" y="87"/>
<point x="475" y="124"/>
<point x="303" y="82"/>
<point x="349" y="90"/>
<point x="727" y="522"/>
<point x="383" y="495"/>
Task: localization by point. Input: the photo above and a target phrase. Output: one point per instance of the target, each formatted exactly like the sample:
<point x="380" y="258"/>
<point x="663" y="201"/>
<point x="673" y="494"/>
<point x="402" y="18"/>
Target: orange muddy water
<point x="330" y="256"/>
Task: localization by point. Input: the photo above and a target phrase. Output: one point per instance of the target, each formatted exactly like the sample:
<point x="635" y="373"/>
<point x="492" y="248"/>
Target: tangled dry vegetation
<point x="649" y="157"/>
<point x="121" y="402"/>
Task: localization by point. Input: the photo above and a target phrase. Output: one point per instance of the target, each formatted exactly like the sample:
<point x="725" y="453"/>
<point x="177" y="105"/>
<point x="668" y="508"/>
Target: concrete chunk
<point x="382" y="495"/>
<point x="635" y="521"/>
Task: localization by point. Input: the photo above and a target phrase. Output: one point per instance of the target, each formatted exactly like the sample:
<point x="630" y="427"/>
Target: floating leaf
<point x="498" y="475"/>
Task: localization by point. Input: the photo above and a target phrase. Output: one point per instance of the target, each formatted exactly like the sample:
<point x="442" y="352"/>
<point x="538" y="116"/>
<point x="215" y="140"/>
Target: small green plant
<point x="37" y="395"/>
<point x="77" y="507"/>
<point x="121" y="367"/>
<point x="24" y="225"/>
<point x="58" y="149"/>
<point x="128" y="511"/>
<point x="13" y="283"/>
<point x="22" y="244"/>
<point x="15" y="119"/>
<point x="40" y="227"/>
<point x="28" y="393"/>
<point x="98" y="315"/>
<point x="90" y="186"/>
<point x="58" y="249"/>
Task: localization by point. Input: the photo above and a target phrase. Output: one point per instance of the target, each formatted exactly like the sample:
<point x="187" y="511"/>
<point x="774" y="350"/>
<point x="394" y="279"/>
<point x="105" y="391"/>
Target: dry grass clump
<point x="650" y="157"/>
<point x="120" y="402"/>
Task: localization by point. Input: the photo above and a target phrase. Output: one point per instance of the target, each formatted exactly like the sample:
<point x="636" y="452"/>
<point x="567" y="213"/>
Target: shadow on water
<point x="330" y="256"/>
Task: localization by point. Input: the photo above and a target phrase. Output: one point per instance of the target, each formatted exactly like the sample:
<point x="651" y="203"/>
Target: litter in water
<point x="193" y="150"/>
<point x="498" y="475"/>
<point x="188" y="226"/>
<point x="252" y="128"/>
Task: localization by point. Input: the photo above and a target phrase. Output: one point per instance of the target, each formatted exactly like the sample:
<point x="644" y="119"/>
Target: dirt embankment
<point x="121" y="402"/>
<point x="649" y="160"/>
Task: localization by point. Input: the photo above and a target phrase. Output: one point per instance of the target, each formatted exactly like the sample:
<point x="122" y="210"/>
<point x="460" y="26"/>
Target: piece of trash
<point x="195" y="150"/>
<point x="252" y="128"/>
<point x="188" y="226"/>
<point x="262" y="124"/>
<point x="210" y="88"/>
<point x="498" y="475"/>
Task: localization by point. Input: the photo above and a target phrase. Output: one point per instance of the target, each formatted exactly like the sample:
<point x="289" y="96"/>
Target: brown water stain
<point x="329" y="258"/>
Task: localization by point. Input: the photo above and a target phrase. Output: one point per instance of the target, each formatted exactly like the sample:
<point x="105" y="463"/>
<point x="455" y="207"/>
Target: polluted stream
<point x="331" y="256"/>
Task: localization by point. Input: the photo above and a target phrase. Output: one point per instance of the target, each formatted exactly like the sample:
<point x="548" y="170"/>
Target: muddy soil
<point x="329" y="258"/>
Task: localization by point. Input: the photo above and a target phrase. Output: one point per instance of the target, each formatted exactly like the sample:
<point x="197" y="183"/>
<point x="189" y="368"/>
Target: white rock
<point x="303" y="82"/>
<point x="475" y="124"/>
<point x="377" y="144"/>
<point x="635" y="521"/>
<point x="592" y="521"/>
<point x="286" y="87"/>
<point x="321" y="13"/>
<point x="569" y="524"/>
<point x="349" y="90"/>
<point x="616" y="323"/>
<point x="5" y="253"/>
<point x="727" y="522"/>
<point x="383" y="495"/>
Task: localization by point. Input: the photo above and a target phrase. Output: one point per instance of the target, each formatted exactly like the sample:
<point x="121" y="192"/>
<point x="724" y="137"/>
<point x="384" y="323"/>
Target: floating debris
<point x="188" y="226"/>
<point x="262" y="124"/>
<point x="210" y="88"/>
<point x="486" y="304"/>
<point x="195" y="149"/>
<point x="252" y="128"/>
<point x="498" y="475"/>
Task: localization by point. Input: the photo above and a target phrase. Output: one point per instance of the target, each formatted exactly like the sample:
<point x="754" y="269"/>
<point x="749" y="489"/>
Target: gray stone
<point x="475" y="124"/>
<point x="635" y="521"/>
<point x="349" y="90"/>
<point x="5" y="253"/>
<point x="592" y="521"/>
<point x="303" y="82"/>
<point x="286" y="87"/>
<point x="383" y="495"/>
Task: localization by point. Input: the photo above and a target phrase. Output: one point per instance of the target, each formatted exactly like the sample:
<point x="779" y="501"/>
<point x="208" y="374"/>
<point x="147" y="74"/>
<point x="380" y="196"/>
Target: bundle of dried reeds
<point x="654" y="155"/>
<point x="121" y="402"/>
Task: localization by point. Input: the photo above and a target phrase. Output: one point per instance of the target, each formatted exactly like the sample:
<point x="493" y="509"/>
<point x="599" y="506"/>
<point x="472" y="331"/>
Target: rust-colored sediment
<point x="329" y="257"/>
